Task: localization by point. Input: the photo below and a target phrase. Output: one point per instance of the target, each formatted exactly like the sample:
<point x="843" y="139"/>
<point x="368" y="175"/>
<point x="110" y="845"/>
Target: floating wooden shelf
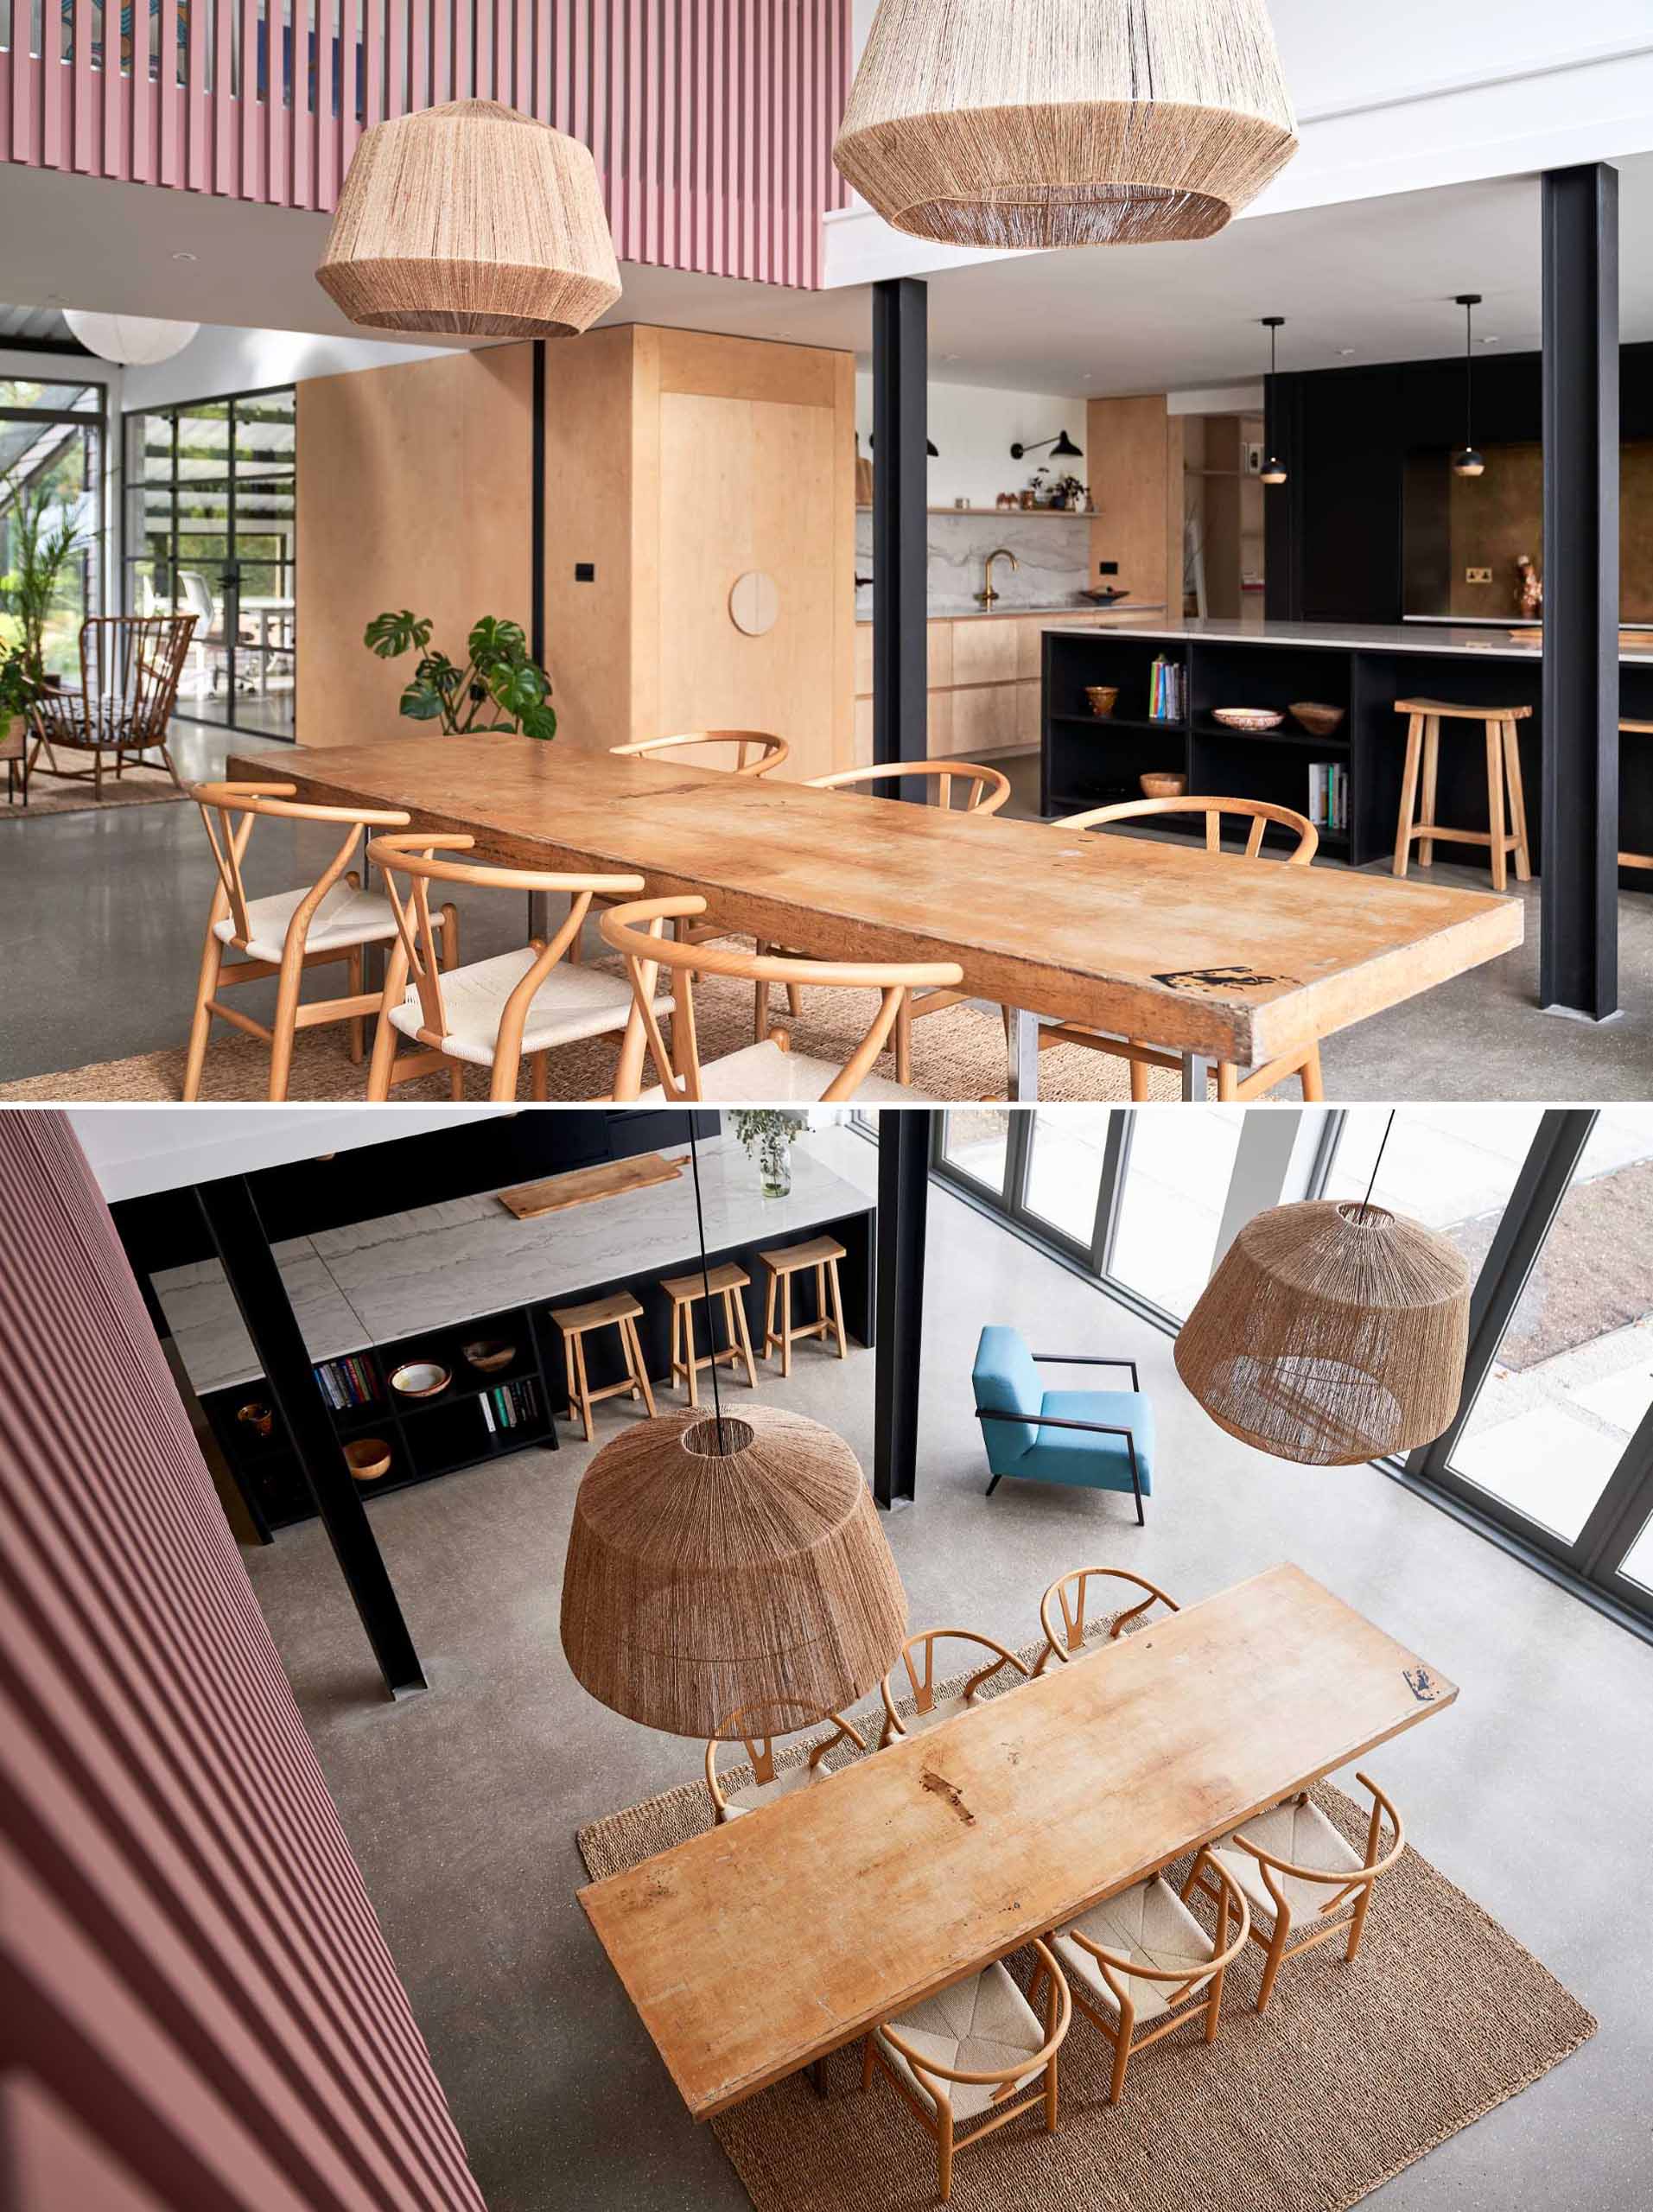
<point x="1009" y="514"/>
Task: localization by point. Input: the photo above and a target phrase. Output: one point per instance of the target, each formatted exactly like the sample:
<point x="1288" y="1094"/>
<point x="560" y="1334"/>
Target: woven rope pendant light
<point x="474" y="220"/>
<point x="1333" y="1331"/>
<point x="700" y="1579"/>
<point x="1058" y="122"/>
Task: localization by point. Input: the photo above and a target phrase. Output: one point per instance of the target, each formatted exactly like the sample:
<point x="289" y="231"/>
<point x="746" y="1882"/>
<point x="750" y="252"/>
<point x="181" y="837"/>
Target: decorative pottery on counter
<point x="420" y="1378"/>
<point x="1248" y="718"/>
<point x="1162" y="783"/>
<point x="368" y="1457"/>
<point x="1318" y="720"/>
<point x="487" y="1355"/>
<point x="1103" y="697"/>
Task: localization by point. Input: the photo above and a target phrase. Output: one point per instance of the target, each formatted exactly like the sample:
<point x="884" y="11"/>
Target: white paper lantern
<point x="135" y="340"/>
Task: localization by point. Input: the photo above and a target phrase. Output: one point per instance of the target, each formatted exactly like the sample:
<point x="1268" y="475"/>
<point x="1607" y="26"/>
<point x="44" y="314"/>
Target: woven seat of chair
<point x="1302" y="1834"/>
<point x="976" y="2026"/>
<point x="1148" y="1923"/>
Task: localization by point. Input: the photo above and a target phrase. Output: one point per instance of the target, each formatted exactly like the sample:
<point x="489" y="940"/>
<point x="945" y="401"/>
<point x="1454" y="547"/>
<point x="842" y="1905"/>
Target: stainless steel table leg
<point x="1023" y="1043"/>
<point x="1196" y="1076"/>
<point x="540" y="914"/>
<point x="817" y="2072"/>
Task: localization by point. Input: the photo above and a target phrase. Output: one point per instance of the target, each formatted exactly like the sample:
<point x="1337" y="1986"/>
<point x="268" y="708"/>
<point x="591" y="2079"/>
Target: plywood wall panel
<point x="1134" y="450"/>
<point x="414" y="490"/>
<point x="591" y="479"/>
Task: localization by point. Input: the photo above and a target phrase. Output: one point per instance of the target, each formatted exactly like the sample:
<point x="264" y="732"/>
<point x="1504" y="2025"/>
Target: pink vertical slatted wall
<point x="196" y="2003"/>
<point x="711" y="121"/>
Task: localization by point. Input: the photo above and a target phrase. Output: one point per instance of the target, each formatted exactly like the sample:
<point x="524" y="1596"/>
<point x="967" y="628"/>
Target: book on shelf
<point x="348" y="1383"/>
<point x="1166" y="679"/>
<point x="511" y="1405"/>
<point x="1328" y="794"/>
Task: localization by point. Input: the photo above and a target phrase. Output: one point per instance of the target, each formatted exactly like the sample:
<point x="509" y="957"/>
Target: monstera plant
<point x="499" y="686"/>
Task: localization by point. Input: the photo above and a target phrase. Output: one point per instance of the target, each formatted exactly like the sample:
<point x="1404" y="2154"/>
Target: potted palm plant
<point x="43" y="546"/>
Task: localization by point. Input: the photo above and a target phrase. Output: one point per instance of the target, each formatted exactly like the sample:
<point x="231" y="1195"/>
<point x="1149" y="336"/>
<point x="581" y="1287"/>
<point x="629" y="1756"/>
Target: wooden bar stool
<point x="1629" y="728"/>
<point x="822" y="1254"/>
<point x="620" y="1311"/>
<point x="1502" y="765"/>
<point x="726" y="1283"/>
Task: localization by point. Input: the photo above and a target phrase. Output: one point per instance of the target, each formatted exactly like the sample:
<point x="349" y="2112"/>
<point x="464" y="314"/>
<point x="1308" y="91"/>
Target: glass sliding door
<point x="210" y="531"/>
<point x="1173" y="1189"/>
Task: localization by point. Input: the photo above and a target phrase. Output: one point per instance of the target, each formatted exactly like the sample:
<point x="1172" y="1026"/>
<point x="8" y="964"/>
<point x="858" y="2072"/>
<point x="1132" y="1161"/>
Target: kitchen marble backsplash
<point x="1054" y="551"/>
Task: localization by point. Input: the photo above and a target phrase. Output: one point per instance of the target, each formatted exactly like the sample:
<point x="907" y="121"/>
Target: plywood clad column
<point x="415" y="489"/>
<point x="592" y="485"/>
<point x="196" y="2005"/>
<point x="1133" y="463"/>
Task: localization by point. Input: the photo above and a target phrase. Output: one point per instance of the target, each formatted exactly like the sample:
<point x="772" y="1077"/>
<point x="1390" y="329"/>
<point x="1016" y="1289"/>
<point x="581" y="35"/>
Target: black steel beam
<point x="1579" y="923"/>
<point x="903" y="1205"/>
<point x="230" y="1213"/>
<point x="900" y="485"/>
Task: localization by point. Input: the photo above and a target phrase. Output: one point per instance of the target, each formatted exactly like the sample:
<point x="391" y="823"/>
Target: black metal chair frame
<point x="1062" y="1420"/>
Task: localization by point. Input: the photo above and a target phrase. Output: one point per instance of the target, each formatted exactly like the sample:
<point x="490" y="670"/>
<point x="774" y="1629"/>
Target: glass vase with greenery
<point x="500" y="679"/>
<point x="768" y="1134"/>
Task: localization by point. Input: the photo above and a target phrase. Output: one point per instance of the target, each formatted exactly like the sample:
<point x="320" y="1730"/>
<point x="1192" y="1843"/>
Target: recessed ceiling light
<point x="1344" y="352"/>
<point x="1489" y="341"/>
<point x="184" y="257"/>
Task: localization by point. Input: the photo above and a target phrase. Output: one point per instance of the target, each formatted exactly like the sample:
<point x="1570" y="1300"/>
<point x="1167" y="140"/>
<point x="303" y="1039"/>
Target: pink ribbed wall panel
<point x="711" y="121"/>
<point x="197" y="2008"/>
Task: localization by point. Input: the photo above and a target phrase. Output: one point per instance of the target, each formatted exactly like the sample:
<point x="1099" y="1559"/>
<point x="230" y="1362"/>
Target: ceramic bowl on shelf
<point x="419" y="1378"/>
<point x="1246" y="718"/>
<point x="487" y="1355"/>
<point x="1103" y="697"/>
<point x="368" y="1457"/>
<point x="1319" y="720"/>
<point x="257" y="1415"/>
<point x="1161" y="783"/>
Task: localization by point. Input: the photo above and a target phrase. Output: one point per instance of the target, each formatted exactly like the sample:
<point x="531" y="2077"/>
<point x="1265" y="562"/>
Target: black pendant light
<point x="1273" y="470"/>
<point x="1062" y="447"/>
<point x="1467" y="461"/>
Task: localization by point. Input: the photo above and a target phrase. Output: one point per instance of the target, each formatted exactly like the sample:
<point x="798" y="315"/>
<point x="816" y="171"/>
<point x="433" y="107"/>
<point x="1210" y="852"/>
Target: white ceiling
<point x="1368" y="280"/>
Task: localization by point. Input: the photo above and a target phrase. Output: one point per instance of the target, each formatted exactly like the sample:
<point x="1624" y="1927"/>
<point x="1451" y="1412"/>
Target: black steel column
<point x="900" y="642"/>
<point x="903" y="1204"/>
<point x="230" y="1213"/>
<point x="1579" y="925"/>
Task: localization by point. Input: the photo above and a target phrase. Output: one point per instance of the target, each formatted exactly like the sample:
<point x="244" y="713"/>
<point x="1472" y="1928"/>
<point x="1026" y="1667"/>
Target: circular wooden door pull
<point x="755" y="603"/>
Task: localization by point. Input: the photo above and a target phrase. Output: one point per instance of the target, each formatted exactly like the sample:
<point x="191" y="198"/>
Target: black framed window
<point x="1553" y="1442"/>
<point x="211" y="530"/>
<point x="51" y="477"/>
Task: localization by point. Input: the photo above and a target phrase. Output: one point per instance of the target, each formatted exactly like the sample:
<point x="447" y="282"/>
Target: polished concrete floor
<point x="1534" y="1792"/>
<point x="100" y="938"/>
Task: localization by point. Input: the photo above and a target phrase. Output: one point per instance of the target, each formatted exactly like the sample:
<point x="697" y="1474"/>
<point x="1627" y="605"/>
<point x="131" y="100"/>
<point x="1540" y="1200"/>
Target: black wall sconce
<point x="1062" y="447"/>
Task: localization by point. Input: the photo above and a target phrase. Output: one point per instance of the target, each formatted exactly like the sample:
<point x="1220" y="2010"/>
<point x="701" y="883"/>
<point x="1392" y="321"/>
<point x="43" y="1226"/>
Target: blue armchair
<point x="1102" y="1439"/>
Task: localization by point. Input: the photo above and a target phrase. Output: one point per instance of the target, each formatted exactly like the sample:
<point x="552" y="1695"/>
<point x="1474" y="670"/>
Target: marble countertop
<point x="435" y="1266"/>
<point x="1361" y="637"/>
<point x="941" y="613"/>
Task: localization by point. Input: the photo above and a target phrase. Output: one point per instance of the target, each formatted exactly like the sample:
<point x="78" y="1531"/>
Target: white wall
<point x="973" y="426"/>
<point x="219" y="360"/>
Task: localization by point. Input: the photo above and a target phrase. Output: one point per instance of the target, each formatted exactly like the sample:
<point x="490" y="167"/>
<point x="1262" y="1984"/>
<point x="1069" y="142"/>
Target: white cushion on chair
<point x="570" y="1004"/>
<point x="1149" y="1923"/>
<point x="346" y="916"/>
<point x="756" y="1796"/>
<point x="982" y="2023"/>
<point x="1303" y="1835"/>
<point x="765" y="1072"/>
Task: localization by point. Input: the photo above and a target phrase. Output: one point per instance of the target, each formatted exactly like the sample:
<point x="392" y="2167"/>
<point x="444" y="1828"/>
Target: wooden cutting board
<point x="557" y="1192"/>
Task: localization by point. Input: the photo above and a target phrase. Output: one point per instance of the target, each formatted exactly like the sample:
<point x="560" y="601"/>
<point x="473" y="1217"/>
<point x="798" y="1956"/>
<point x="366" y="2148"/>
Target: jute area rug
<point x="958" y="1054"/>
<point x="49" y="794"/>
<point x="1353" y="2073"/>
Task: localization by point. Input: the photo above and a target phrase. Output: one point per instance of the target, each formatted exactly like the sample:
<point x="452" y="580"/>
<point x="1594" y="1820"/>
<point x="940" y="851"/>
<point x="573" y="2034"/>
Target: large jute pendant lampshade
<point x="473" y="219"/>
<point x="720" y="1563"/>
<point x="1059" y="122"/>
<point x="1332" y="1332"/>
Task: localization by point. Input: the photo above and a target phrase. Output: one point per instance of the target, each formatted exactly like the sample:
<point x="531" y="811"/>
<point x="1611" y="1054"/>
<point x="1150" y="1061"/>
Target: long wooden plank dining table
<point x="755" y="1948"/>
<point x="1207" y="954"/>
